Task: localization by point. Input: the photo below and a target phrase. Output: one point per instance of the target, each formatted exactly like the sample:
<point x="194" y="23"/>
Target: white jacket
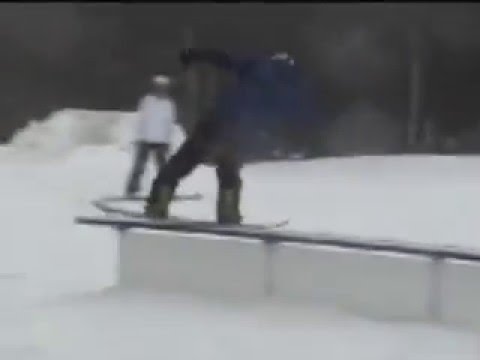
<point x="156" y="118"/>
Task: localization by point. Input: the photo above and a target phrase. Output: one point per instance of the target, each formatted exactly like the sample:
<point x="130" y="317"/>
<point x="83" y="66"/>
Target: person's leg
<point x="229" y="188"/>
<point x="193" y="151"/>
<point x="141" y="157"/>
<point x="160" y="152"/>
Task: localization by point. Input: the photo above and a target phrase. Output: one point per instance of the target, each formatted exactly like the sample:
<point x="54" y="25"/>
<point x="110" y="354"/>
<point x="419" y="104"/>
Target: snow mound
<point x="67" y="129"/>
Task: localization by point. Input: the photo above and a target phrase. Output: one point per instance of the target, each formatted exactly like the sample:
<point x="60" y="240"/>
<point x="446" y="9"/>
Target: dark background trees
<point x="399" y="73"/>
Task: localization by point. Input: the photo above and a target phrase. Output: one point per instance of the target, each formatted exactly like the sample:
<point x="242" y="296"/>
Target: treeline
<point x="392" y="77"/>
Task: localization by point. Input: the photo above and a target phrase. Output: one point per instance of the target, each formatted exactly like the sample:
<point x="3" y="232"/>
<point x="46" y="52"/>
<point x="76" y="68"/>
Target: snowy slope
<point x="52" y="170"/>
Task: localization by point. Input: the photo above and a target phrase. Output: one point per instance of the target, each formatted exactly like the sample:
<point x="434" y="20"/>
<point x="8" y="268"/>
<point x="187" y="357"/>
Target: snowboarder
<point x="156" y="117"/>
<point x="267" y="93"/>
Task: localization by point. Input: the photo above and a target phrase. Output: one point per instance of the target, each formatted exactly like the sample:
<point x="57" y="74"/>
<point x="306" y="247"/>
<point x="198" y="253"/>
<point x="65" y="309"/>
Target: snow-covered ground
<point x="51" y="172"/>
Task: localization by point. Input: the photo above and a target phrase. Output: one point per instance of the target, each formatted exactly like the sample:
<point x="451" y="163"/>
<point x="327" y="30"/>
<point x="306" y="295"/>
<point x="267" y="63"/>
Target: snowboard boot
<point x="159" y="208"/>
<point x="228" y="206"/>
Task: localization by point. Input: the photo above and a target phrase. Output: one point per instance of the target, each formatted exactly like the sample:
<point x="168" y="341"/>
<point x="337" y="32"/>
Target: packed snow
<point x="55" y="275"/>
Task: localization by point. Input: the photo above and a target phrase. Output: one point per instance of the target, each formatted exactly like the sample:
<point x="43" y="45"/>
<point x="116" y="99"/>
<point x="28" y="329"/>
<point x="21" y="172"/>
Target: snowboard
<point x="125" y="222"/>
<point x="119" y="217"/>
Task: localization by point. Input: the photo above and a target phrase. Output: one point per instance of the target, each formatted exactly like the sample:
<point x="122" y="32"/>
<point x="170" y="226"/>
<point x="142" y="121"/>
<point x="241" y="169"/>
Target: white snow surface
<point x="53" y="273"/>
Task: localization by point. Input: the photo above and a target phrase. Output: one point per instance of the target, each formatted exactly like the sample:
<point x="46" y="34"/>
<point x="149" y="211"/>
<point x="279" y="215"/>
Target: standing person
<point x="267" y="93"/>
<point x="157" y="114"/>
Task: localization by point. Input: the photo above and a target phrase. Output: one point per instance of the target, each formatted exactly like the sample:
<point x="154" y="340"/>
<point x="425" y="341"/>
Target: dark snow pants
<point x="203" y="146"/>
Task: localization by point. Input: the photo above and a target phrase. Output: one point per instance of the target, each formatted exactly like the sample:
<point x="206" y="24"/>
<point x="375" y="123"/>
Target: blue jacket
<point x="268" y="95"/>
